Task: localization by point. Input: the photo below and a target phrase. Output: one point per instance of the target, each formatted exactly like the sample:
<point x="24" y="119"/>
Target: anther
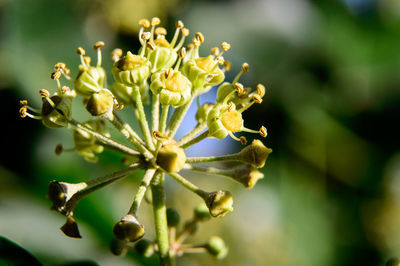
<point x="220" y="60"/>
<point x="23" y="102"/>
<point x="55" y="75"/>
<point x="161" y="31"/>
<point x="98" y="45"/>
<point x="199" y="36"/>
<point x="231" y="106"/>
<point x="59" y="65"/>
<point x="238" y="87"/>
<point x="190" y="46"/>
<point x="261" y="90"/>
<point x="155" y="21"/>
<point x="151" y="46"/>
<point x="182" y="52"/>
<point x="44" y="93"/>
<point x="117" y="106"/>
<point x="179" y="24"/>
<point x="59" y="149"/>
<point x="228" y="65"/>
<point x="87" y="59"/>
<point x="225" y="46"/>
<point x="257" y="98"/>
<point x="22" y="111"/>
<point x="80" y="51"/>
<point x="185" y="32"/>
<point x="196" y="42"/>
<point x="116" y="54"/>
<point x="245" y="68"/>
<point x="243" y="140"/>
<point x="215" y="51"/>
<point x="144" y="23"/>
<point x="263" y="131"/>
<point x="146" y="35"/>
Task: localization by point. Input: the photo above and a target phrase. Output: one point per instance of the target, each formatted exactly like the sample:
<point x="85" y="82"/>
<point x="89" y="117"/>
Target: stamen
<point x="154" y="22"/>
<point x="144" y="23"/>
<point x="23" y="112"/>
<point x="161" y="31"/>
<point x="239" y="88"/>
<point x="81" y="52"/>
<point x="55" y="75"/>
<point x="243" y="140"/>
<point x="245" y="129"/>
<point x="231" y="106"/>
<point x="185" y="33"/>
<point x="145" y="37"/>
<point x="182" y="54"/>
<point x="116" y="54"/>
<point x="44" y="93"/>
<point x="117" y="105"/>
<point x="233" y="136"/>
<point x="261" y="90"/>
<point x="87" y="60"/>
<point x="225" y="46"/>
<point x="97" y="47"/>
<point x="151" y="46"/>
<point x="227" y="65"/>
<point x="245" y="68"/>
<point x="23" y="102"/>
<point x="179" y="26"/>
<point x="263" y="131"/>
<point x="257" y="98"/>
<point x="200" y="37"/>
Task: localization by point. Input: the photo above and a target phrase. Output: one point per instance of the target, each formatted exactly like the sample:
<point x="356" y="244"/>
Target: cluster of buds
<point x="168" y="74"/>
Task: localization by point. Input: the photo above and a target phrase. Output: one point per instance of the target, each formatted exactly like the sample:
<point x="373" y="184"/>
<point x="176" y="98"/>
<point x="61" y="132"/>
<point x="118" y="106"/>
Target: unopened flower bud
<point x="255" y="154"/>
<point x="70" y="228"/>
<point x="128" y="229"/>
<point x="202" y="112"/>
<point x="90" y="80"/>
<point x="60" y="192"/>
<point x="173" y="217"/>
<point x="216" y="247"/>
<point x="201" y="213"/>
<point x="247" y="175"/>
<point x="219" y="203"/>
<point x="100" y="102"/>
<point x="171" y="158"/>
<point x="145" y="248"/>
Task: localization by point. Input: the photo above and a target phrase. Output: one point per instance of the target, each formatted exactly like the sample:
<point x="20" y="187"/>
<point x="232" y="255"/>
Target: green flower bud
<point x="221" y="121"/>
<point x="124" y="94"/>
<point x="247" y="175"/>
<point x="203" y="72"/>
<point x="100" y="102"/>
<point x="128" y="229"/>
<point x="90" y="80"/>
<point x="162" y="57"/>
<point x="223" y="91"/>
<point x="56" y="110"/>
<point x="60" y="193"/>
<point x="171" y="158"/>
<point x="145" y="248"/>
<point x="201" y="213"/>
<point x="173" y="87"/>
<point x="86" y="144"/>
<point x="202" y="112"/>
<point x="255" y="154"/>
<point x="131" y="70"/>
<point x="173" y="217"/>
<point x="219" y="203"/>
<point x="70" y="228"/>
<point x="216" y="247"/>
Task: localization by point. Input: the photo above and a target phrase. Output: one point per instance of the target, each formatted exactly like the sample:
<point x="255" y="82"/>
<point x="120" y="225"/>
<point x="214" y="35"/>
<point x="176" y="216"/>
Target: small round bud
<point x="216" y="247"/>
<point x="56" y="110"/>
<point x="263" y="131"/>
<point x="100" y="102"/>
<point x="70" y="228"/>
<point x="173" y="217"/>
<point x="171" y="158"/>
<point x="145" y="248"/>
<point x="155" y="21"/>
<point x="98" y="45"/>
<point x="201" y="213"/>
<point x="245" y="68"/>
<point x="200" y="37"/>
<point x="131" y="70"/>
<point x="90" y="80"/>
<point x="128" y="229"/>
<point x="219" y="203"/>
<point x="255" y="154"/>
<point x="225" y="46"/>
<point x="144" y="23"/>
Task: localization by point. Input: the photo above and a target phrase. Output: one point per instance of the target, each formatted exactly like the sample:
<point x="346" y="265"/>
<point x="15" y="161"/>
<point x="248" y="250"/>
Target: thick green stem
<point x="142" y="118"/>
<point x="195" y="140"/>
<point x="230" y="157"/>
<point x="160" y="218"/>
<point x="199" y="127"/>
<point x="177" y="118"/>
<point x="141" y="190"/>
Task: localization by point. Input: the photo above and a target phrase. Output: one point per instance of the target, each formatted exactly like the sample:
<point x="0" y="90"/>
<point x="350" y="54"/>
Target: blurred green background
<point x="331" y="192"/>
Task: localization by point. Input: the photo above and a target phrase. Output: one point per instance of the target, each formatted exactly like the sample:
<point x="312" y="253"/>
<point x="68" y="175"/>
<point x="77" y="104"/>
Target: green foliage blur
<point x="331" y="192"/>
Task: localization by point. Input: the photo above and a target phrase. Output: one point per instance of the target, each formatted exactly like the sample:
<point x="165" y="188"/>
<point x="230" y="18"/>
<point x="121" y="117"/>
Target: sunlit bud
<point x="201" y="213"/>
<point x="144" y="23"/>
<point x="171" y="158"/>
<point x="173" y="217"/>
<point x="202" y="112"/>
<point x="216" y="247"/>
<point x="90" y="80"/>
<point x="70" y="228"/>
<point x="219" y="203"/>
<point x="128" y="229"/>
<point x="145" y="248"/>
<point x="100" y="102"/>
<point x="255" y="154"/>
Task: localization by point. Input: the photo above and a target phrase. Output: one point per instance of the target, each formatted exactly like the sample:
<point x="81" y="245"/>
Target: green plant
<point x="176" y="78"/>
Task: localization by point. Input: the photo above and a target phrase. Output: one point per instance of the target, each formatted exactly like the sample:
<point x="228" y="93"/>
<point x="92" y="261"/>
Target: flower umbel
<point x="173" y="75"/>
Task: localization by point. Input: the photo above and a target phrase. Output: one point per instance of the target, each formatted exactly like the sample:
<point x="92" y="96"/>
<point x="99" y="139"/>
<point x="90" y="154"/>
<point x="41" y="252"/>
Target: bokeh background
<point x="331" y="192"/>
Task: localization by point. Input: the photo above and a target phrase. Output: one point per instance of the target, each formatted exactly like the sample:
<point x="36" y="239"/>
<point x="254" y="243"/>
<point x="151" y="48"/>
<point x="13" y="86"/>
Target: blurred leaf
<point x="13" y="254"/>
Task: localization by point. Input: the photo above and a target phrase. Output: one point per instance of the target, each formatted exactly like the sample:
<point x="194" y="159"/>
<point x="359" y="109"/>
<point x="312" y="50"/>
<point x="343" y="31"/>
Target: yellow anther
<point x="44" y="93"/>
<point x="117" y="106"/>
<point x="261" y="90"/>
<point x="146" y="35"/>
<point x="144" y="23"/>
<point x="243" y="140"/>
<point x="190" y="46"/>
<point x="263" y="131"/>
<point x="66" y="71"/>
<point x="22" y="111"/>
<point x="23" y="102"/>
<point x="215" y="51"/>
<point x="98" y="45"/>
<point x="185" y="32"/>
<point x="55" y="75"/>
<point x="225" y="46"/>
<point x="231" y="106"/>
<point x="244" y="93"/>
<point x="161" y="31"/>
<point x="220" y="60"/>
<point x="179" y="24"/>
<point x="116" y="54"/>
<point x="58" y="150"/>
<point x="238" y="87"/>
<point x="151" y="45"/>
<point x="182" y="52"/>
<point x="80" y="51"/>
<point x="199" y="36"/>
<point x="87" y="59"/>
<point x="155" y="21"/>
<point x="59" y="65"/>
<point x="245" y="68"/>
<point x="257" y="98"/>
<point x="228" y="65"/>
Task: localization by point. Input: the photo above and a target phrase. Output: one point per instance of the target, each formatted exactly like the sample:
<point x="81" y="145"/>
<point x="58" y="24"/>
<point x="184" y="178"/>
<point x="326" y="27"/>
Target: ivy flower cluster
<point x="169" y="76"/>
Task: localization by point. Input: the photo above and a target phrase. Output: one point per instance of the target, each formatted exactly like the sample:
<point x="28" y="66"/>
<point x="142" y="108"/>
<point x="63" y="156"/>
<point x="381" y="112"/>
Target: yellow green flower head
<point x="131" y="69"/>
